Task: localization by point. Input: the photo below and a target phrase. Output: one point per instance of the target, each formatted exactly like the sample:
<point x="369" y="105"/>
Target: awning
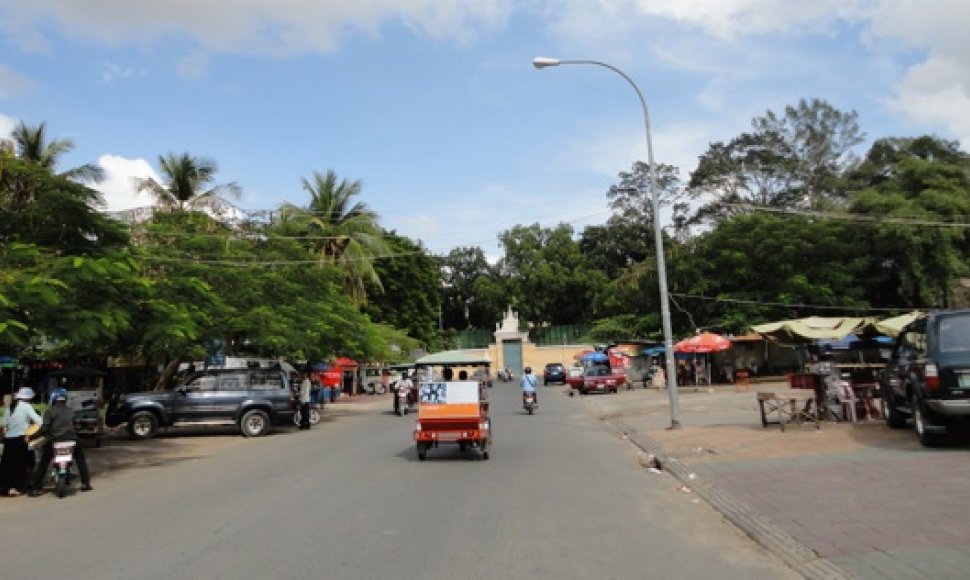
<point x="343" y="361"/>
<point x="812" y="328"/>
<point x="892" y="326"/>
<point x="454" y="358"/>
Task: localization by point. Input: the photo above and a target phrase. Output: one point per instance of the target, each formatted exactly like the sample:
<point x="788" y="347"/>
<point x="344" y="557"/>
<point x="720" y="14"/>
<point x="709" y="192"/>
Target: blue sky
<point x="435" y="106"/>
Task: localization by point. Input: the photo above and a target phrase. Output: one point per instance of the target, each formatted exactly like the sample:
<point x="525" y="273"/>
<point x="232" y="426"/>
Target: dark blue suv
<point x="927" y="377"/>
<point x="554" y="373"/>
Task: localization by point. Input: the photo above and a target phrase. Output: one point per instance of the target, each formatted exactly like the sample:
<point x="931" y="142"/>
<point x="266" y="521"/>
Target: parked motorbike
<point x="314" y="414"/>
<point x="529" y="402"/>
<point x="61" y="465"/>
<point x="402" y="403"/>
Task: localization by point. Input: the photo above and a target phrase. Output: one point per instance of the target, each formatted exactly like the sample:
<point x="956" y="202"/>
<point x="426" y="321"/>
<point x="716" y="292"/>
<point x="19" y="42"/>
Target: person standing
<point x="305" y="386"/>
<point x="58" y="426"/>
<point x="13" y="465"/>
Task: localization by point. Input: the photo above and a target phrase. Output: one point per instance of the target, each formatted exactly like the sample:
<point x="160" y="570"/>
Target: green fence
<point x="561" y="334"/>
<point x="474" y="338"/>
<point x="545" y="336"/>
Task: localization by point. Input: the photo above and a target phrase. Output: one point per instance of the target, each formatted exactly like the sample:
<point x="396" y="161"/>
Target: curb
<point x="797" y="555"/>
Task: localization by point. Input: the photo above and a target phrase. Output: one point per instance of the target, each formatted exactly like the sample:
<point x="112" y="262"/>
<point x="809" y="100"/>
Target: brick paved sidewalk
<point x="850" y="500"/>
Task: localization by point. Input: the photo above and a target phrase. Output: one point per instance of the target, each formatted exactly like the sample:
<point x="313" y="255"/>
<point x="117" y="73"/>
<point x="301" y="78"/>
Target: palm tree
<point x="342" y="232"/>
<point x="186" y="178"/>
<point x="33" y="145"/>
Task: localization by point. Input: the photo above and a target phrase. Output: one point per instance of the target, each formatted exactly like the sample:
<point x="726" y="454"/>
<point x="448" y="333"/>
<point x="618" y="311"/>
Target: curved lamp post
<point x="543" y="62"/>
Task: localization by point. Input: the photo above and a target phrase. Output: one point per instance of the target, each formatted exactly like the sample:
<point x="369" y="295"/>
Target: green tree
<point x="763" y="267"/>
<point x="796" y="159"/>
<point x="411" y="296"/>
<point x="474" y="295"/>
<point x="549" y="279"/>
<point x="187" y="183"/>
<point x="918" y="191"/>
<point x="68" y="278"/>
<point x="33" y="145"/>
<point x="342" y="231"/>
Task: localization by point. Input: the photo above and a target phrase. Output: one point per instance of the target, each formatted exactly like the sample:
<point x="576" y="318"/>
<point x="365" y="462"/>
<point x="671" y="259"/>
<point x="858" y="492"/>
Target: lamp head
<point x="543" y="61"/>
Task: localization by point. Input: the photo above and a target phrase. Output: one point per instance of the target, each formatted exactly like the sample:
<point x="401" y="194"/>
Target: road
<point x="562" y="496"/>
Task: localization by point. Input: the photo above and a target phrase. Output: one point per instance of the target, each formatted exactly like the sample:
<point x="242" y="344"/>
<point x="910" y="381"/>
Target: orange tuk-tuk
<point x="453" y="411"/>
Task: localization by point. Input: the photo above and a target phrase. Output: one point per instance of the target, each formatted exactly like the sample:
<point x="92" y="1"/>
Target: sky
<point x="434" y="105"/>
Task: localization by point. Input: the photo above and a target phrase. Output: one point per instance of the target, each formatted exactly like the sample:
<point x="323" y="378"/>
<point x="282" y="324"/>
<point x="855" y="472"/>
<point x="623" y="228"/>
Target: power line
<point x="791" y="305"/>
<point x="844" y="216"/>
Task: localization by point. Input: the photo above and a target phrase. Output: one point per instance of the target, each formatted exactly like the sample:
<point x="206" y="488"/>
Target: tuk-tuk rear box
<point x="450" y="400"/>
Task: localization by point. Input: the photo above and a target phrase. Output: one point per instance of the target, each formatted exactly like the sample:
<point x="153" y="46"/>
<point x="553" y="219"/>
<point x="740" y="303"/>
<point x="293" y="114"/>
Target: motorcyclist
<point x="58" y="426"/>
<point x="405" y="385"/>
<point x="529" y="382"/>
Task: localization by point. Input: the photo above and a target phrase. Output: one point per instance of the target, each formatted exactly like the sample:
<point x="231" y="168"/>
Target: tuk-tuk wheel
<point x="422" y="452"/>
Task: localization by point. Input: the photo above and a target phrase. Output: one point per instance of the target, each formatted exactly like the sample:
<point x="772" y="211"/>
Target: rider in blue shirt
<point x="529" y="382"/>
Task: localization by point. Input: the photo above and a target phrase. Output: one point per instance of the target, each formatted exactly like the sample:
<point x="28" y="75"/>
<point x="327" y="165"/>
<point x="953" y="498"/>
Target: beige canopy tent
<point x="892" y="326"/>
<point x="454" y="358"/>
<point x="801" y="330"/>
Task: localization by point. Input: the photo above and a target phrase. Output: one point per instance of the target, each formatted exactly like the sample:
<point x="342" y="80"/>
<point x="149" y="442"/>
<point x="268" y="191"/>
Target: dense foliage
<point x="784" y="220"/>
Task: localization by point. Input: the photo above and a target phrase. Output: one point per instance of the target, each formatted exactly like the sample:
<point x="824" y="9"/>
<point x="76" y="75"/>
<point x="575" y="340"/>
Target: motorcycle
<point x="506" y="375"/>
<point x="529" y="402"/>
<point x="402" y="403"/>
<point x="314" y="415"/>
<point x="61" y="466"/>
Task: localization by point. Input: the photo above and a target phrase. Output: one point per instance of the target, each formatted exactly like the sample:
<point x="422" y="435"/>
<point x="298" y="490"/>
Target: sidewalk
<point x="850" y="500"/>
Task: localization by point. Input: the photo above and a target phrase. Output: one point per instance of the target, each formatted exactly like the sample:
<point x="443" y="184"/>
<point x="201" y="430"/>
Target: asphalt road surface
<point x="562" y="496"/>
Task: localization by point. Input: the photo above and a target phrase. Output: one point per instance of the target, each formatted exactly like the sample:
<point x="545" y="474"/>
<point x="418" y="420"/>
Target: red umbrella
<point x="704" y="342"/>
<point x="344" y="362"/>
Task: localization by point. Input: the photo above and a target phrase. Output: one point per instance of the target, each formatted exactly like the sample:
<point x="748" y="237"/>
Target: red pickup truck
<point x="598" y="378"/>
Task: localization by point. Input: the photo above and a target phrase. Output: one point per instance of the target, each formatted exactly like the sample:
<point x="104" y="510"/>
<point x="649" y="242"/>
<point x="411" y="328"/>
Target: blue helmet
<point x="59" y="393"/>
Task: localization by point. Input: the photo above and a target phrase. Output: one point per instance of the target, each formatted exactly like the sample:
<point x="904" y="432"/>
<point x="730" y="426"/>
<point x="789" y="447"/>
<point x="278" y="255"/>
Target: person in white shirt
<point x="13" y="465"/>
<point x="304" y="400"/>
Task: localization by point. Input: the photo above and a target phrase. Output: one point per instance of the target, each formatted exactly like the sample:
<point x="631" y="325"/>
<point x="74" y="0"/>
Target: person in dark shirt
<point x="58" y="425"/>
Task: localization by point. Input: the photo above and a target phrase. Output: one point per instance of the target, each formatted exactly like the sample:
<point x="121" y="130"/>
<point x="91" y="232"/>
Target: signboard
<point x="448" y="399"/>
<point x="81" y="400"/>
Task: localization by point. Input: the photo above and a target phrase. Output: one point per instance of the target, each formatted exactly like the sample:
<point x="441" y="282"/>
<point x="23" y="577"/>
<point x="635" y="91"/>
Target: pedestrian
<point x="19" y="415"/>
<point x="305" y="386"/>
<point x="58" y="426"/>
<point x="385" y="381"/>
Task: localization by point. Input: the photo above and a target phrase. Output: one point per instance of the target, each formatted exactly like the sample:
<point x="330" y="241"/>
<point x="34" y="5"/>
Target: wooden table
<point x="791" y="405"/>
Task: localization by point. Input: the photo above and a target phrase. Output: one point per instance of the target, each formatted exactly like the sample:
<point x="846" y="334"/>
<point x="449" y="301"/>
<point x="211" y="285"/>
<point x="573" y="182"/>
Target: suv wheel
<point x="142" y="425"/>
<point x="254" y="423"/>
<point x="894" y="419"/>
<point x="920" y="424"/>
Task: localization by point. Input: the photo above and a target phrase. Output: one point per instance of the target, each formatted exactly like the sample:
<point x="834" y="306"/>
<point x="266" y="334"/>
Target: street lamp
<point x="543" y="62"/>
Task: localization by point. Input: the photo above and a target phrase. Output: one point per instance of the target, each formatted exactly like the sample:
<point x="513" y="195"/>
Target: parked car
<point x="254" y="399"/>
<point x="371" y="379"/>
<point x="574" y="377"/>
<point x="602" y="379"/>
<point x="554" y="373"/>
<point x="927" y="376"/>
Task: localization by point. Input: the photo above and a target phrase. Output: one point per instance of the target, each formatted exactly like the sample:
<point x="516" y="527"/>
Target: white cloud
<point x="733" y="18"/>
<point x="118" y="188"/>
<point x="12" y="82"/>
<point x="279" y="27"/>
<point x="937" y="93"/>
<point x="936" y="90"/>
<point x="111" y="71"/>
<point x="6" y="126"/>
